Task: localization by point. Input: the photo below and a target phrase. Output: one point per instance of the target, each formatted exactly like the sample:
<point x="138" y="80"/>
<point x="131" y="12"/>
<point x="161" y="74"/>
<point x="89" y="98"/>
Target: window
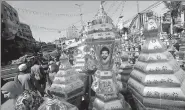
<point x="15" y="14"/>
<point x="11" y="14"/>
<point x="11" y="18"/>
<point x="8" y="12"/>
<point x="5" y="9"/>
<point x="8" y="17"/>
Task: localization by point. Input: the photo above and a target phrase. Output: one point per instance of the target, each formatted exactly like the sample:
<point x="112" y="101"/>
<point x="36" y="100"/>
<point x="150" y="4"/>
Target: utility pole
<point x="80" y="13"/>
<point x="137" y="6"/>
<point x="120" y="17"/>
<point x="139" y="16"/>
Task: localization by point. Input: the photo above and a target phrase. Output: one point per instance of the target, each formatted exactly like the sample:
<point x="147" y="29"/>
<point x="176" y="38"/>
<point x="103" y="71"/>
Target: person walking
<point x="24" y="78"/>
<point x="53" y="69"/>
<point x="38" y="78"/>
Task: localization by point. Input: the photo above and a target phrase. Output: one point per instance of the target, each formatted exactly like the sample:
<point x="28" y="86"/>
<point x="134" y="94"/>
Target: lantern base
<point x="117" y="104"/>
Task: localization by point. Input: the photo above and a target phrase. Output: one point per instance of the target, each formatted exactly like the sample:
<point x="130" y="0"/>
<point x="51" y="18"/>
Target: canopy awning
<point x="73" y="45"/>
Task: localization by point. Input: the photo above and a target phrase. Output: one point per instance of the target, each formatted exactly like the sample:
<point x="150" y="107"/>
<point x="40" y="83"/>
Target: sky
<point x="89" y="9"/>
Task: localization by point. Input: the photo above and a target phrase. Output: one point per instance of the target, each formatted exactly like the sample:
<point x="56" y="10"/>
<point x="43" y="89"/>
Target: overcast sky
<point x="89" y="9"/>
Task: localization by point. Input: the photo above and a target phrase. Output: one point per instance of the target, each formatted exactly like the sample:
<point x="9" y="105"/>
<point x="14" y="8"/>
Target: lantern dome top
<point x="102" y="16"/>
<point x="151" y="28"/>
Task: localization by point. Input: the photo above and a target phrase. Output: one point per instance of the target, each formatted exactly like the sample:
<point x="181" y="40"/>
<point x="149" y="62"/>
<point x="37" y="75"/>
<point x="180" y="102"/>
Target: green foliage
<point x="174" y="7"/>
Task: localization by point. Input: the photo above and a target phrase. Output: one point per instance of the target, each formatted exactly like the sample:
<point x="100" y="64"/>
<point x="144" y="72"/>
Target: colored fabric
<point x="28" y="100"/>
<point x="35" y="71"/>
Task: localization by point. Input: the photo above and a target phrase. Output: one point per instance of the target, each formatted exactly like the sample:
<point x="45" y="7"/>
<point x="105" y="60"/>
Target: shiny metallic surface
<point x="157" y="81"/>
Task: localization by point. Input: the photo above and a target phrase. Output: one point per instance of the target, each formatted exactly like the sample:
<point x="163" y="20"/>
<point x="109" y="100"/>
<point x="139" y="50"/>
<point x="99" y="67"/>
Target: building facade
<point x="72" y="32"/>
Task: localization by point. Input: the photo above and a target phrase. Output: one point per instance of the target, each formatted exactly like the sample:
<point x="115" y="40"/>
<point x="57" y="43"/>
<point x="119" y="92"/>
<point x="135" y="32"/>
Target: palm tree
<point x="175" y="9"/>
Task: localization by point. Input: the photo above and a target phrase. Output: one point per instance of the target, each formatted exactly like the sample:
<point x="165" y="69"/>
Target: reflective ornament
<point x="157" y="81"/>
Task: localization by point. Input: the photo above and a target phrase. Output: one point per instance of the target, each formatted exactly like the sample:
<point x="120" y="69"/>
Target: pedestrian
<point x="57" y="60"/>
<point x="53" y="69"/>
<point x="23" y="77"/>
<point x="51" y="62"/>
<point x="11" y="90"/>
<point x="38" y="79"/>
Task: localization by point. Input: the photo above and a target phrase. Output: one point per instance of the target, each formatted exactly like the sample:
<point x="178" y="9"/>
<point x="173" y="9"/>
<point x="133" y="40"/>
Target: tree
<point x="175" y="9"/>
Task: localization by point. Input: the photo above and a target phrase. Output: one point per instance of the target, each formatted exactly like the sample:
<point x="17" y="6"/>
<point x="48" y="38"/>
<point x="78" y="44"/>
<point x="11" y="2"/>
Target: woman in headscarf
<point x="24" y="78"/>
<point x="28" y="100"/>
<point x="11" y="90"/>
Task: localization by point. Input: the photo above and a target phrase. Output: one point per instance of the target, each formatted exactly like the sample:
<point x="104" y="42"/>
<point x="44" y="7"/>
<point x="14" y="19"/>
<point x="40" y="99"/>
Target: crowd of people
<point x="32" y="83"/>
<point x="28" y="88"/>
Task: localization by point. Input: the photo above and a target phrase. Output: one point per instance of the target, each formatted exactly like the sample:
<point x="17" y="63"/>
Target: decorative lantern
<point x="104" y="79"/>
<point x="154" y="82"/>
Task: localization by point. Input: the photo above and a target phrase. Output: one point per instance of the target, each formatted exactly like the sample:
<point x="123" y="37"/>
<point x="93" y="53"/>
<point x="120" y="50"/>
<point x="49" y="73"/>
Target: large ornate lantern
<point x="102" y="41"/>
<point x="157" y="81"/>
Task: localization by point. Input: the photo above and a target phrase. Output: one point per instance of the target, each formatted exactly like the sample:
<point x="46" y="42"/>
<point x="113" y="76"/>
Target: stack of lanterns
<point x="66" y="84"/>
<point x="102" y="39"/>
<point x="136" y="51"/>
<point x="79" y="63"/>
<point x="126" y="68"/>
<point x="181" y="53"/>
<point x="55" y="104"/>
<point x="172" y="50"/>
<point x="157" y="81"/>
